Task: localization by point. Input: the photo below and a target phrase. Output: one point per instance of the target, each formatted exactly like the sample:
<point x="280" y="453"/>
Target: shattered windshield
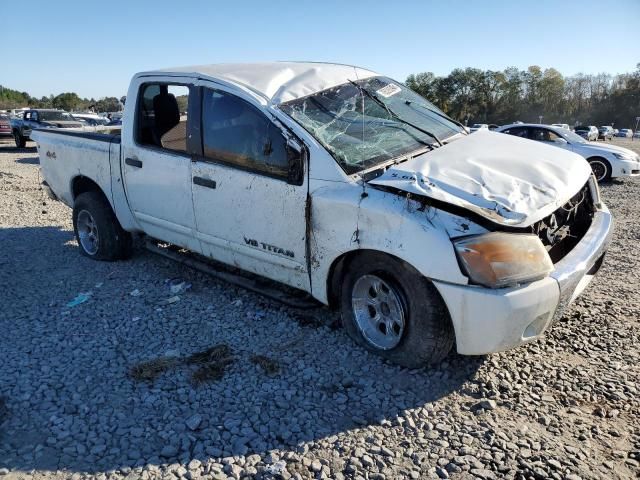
<point x="368" y="122"/>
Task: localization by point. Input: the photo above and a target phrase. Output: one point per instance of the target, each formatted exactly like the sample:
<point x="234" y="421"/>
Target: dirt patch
<point x="270" y="366"/>
<point x="152" y="369"/>
<point x="211" y="365"/>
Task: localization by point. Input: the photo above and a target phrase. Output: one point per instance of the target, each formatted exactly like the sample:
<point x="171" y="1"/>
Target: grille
<point x="564" y="228"/>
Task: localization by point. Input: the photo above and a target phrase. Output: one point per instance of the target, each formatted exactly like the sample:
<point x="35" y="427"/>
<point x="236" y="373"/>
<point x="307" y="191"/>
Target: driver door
<point x="250" y="202"/>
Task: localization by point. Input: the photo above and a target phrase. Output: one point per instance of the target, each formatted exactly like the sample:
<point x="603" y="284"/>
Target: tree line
<point x="68" y="101"/>
<point x="470" y="95"/>
<point x="485" y="96"/>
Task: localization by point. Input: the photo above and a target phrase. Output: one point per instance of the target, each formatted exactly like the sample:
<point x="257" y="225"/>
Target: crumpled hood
<point x="506" y="179"/>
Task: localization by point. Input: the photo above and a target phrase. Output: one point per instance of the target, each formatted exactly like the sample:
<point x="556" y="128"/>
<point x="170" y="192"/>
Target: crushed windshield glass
<point x="368" y="122"/>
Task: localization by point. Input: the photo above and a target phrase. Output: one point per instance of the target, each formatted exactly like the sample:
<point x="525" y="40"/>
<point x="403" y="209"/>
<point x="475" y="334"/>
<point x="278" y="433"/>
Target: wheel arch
<point x="341" y="263"/>
<point x="81" y="184"/>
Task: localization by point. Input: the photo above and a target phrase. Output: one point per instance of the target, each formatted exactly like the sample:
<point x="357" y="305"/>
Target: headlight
<point x="500" y="259"/>
<point x="623" y="156"/>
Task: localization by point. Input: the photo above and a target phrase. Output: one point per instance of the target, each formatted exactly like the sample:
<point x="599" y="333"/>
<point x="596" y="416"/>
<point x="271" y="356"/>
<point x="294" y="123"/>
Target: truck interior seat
<point x="166" y="113"/>
<point x="176" y="138"/>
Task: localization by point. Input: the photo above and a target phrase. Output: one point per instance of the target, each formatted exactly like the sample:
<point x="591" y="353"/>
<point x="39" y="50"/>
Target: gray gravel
<point x="297" y="399"/>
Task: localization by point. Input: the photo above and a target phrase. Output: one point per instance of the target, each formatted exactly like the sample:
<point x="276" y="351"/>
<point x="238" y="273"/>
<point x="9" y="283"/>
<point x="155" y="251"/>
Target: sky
<point x="94" y="47"/>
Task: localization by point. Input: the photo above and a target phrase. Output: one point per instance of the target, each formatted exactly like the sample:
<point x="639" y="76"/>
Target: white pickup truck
<point x="344" y="184"/>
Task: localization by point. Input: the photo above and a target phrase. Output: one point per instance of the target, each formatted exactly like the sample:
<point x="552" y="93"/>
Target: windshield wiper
<point x="393" y="114"/>
<point x="446" y="117"/>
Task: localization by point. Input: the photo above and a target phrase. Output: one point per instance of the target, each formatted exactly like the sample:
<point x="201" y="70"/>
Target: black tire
<point x="428" y="334"/>
<point x="601" y="169"/>
<point x="114" y="243"/>
<point x="21" y="142"/>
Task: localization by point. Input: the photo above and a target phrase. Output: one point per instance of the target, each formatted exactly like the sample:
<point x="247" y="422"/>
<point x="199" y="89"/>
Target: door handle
<point x="134" y="162"/>
<point x="204" y="182"/>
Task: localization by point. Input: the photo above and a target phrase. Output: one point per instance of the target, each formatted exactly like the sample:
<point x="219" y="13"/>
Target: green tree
<point x="68" y="101"/>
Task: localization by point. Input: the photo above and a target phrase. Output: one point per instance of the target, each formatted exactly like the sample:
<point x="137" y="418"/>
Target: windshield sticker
<point x="388" y="90"/>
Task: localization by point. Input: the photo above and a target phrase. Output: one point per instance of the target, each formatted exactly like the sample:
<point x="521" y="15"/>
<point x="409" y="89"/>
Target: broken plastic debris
<point x="135" y="293"/>
<point x="80" y="298"/>
<point x="170" y="300"/>
<point x="177" y="285"/>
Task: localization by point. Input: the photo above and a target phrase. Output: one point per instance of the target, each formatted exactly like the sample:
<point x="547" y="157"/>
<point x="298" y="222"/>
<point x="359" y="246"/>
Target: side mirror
<point x="561" y="141"/>
<point x="296" y="155"/>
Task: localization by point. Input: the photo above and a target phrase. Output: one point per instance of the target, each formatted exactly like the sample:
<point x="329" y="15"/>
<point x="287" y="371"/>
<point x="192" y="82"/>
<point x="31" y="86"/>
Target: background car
<point x="91" y="119"/>
<point x="607" y="161"/>
<point x="588" y="132"/>
<point x="561" y="125"/>
<point x="625" y="132"/>
<point x="478" y="126"/>
<point x="5" y="125"/>
<point x="605" y="132"/>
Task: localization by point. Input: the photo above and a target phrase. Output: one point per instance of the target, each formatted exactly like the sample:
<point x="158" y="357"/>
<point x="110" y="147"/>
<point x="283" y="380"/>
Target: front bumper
<point x="491" y="320"/>
<point x="625" y="168"/>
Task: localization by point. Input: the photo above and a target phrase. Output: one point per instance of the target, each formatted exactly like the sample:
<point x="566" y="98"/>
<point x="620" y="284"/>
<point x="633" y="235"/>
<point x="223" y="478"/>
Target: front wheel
<point x="21" y="142"/>
<point x="601" y="169"/>
<point x="392" y="310"/>
<point x="97" y="229"/>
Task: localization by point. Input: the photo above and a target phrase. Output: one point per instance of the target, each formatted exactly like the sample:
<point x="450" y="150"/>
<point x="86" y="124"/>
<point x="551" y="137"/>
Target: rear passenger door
<point x="157" y="162"/>
<point x="250" y="209"/>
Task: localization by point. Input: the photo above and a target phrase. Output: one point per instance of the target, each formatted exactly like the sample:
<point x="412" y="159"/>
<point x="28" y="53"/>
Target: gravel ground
<point x="284" y="394"/>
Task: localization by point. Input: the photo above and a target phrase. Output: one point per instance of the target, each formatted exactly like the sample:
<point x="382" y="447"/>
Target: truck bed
<point x="70" y="157"/>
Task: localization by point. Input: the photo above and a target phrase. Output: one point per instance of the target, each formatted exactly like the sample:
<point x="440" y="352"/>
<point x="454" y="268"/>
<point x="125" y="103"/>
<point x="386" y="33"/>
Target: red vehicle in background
<point x="5" y="125"/>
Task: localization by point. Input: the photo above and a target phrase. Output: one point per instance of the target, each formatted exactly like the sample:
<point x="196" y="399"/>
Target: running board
<point x="268" y="288"/>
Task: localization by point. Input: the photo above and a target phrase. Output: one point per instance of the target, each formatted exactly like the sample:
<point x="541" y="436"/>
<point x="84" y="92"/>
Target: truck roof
<point x="276" y="82"/>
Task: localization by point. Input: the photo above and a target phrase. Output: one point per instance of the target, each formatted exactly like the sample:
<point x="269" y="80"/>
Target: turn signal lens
<point x="500" y="259"/>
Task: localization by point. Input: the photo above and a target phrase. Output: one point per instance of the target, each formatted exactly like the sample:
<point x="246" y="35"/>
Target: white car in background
<point x="607" y="161"/>
<point x="588" y="132"/>
<point x="561" y="125"/>
<point x="91" y="119"/>
<point x="479" y="126"/>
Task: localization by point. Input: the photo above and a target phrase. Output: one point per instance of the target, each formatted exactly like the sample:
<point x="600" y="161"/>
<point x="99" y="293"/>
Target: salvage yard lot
<point x="220" y="382"/>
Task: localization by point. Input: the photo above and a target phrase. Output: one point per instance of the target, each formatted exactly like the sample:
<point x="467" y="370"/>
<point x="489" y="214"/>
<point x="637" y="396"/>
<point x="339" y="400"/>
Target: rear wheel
<point x="97" y="229"/>
<point x="392" y="310"/>
<point x="601" y="169"/>
<point x="19" y="139"/>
